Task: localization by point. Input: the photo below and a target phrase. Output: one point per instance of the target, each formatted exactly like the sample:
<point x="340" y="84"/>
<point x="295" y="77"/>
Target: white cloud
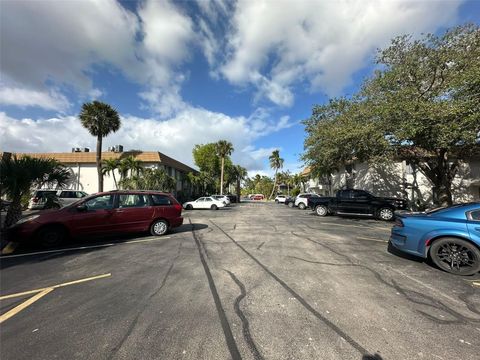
<point x="95" y="93"/>
<point x="273" y="46"/>
<point x="175" y="137"/>
<point x="48" y="100"/>
<point x="61" y="42"/>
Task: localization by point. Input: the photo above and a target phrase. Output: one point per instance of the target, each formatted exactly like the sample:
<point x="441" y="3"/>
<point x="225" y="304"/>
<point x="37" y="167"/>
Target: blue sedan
<point x="450" y="236"/>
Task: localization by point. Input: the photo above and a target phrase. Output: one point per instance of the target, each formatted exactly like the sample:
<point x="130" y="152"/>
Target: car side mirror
<point x="82" y="207"/>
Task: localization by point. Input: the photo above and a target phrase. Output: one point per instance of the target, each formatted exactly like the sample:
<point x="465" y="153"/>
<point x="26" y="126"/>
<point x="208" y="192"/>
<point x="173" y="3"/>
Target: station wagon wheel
<point x="159" y="228"/>
<point x="321" y="210"/>
<point x="456" y="256"/>
<point x="385" y="214"/>
<point x="51" y="236"/>
<point x="214" y="207"/>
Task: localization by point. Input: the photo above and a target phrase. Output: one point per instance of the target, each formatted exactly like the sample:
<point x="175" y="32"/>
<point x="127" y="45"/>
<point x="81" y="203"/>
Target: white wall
<point x="88" y="180"/>
<point x="398" y="179"/>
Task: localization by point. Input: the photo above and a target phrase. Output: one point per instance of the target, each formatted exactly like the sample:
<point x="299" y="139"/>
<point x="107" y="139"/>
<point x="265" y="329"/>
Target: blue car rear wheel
<point x="455" y="256"/>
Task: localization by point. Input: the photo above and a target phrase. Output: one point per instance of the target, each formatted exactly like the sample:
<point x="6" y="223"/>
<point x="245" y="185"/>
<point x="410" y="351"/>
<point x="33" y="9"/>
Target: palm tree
<point x="19" y="175"/>
<point x="99" y="119"/>
<point x="133" y="164"/>
<point x="108" y="167"/>
<point x="224" y="149"/>
<point x="276" y="163"/>
<point x="240" y="174"/>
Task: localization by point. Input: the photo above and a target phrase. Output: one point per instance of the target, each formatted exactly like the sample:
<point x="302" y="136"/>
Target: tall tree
<point x="19" y="175"/>
<point x="427" y="100"/>
<point x="224" y="149"/>
<point x="276" y="163"/>
<point x="423" y="106"/>
<point x="240" y="173"/>
<point x="99" y="119"/>
<point x="109" y="166"/>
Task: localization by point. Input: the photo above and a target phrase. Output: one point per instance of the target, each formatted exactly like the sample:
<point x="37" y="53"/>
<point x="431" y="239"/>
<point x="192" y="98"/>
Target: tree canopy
<point x="421" y="105"/>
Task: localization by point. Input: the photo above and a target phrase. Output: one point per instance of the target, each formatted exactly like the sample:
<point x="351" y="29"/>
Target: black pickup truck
<point x="357" y="202"/>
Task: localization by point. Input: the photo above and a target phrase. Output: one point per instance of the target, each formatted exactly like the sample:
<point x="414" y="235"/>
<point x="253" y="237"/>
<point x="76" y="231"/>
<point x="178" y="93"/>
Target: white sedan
<point x="204" y="203"/>
<point x="222" y="198"/>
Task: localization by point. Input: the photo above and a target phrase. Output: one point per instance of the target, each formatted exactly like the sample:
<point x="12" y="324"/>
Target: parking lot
<point x="253" y="281"/>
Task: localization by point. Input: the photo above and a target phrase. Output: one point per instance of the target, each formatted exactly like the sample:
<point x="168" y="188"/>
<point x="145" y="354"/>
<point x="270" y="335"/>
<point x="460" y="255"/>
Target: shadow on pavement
<point x="80" y="245"/>
<point x="372" y="357"/>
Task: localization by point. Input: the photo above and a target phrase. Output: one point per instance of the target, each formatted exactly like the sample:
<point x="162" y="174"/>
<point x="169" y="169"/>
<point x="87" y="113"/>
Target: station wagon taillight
<point x="177" y="207"/>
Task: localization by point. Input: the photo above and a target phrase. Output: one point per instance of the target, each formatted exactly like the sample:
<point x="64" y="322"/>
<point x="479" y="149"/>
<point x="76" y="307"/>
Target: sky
<point x="182" y="73"/>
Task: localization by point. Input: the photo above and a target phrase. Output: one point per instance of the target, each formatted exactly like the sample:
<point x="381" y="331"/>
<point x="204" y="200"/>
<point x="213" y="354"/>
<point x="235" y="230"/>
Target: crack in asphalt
<point x="133" y="324"/>
<point x="227" y="331"/>
<point x="410" y="295"/>
<point x="259" y="246"/>
<point x="300" y="299"/>
<point x="245" y="324"/>
<point x="319" y="262"/>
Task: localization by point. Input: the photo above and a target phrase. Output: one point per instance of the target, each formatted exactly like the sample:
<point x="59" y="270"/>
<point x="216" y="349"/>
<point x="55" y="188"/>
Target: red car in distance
<point x="103" y="213"/>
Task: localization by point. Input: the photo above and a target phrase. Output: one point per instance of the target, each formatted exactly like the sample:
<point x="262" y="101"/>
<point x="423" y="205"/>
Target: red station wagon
<point x="101" y="214"/>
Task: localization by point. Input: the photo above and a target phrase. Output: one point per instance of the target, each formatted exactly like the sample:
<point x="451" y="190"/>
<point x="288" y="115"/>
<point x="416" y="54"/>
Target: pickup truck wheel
<point x="301" y="206"/>
<point x="321" y="210"/>
<point x="385" y="214"/>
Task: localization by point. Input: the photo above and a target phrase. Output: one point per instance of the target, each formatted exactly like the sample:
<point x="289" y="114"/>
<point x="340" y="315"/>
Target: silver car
<point x="63" y="197"/>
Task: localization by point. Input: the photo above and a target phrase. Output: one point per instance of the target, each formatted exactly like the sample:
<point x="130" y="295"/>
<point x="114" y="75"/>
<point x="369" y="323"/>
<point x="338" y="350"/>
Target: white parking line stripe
<point x="84" y="247"/>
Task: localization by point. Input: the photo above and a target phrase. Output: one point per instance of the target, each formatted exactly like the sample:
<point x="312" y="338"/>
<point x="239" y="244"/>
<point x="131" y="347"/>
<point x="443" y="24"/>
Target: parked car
<point x="449" y="236"/>
<point x="232" y="198"/>
<point x="206" y="202"/>
<point x="102" y="213"/>
<point x="357" y="202"/>
<point x="280" y="198"/>
<point x="61" y="198"/>
<point x="258" y="197"/>
<point x="290" y="202"/>
<point x="302" y="200"/>
<point x="223" y="198"/>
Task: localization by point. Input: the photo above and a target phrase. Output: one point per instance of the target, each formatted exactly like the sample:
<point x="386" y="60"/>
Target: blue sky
<point x="192" y="72"/>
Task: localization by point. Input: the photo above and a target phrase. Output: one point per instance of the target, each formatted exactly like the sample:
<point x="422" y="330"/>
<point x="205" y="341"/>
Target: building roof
<point x="90" y="158"/>
<point x="306" y="171"/>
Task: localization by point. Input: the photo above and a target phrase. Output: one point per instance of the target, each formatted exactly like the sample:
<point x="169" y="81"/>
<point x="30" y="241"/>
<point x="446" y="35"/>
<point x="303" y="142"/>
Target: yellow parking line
<point x="9" y="248"/>
<point x="24" y="305"/>
<point x="55" y="286"/>
<point x="40" y="293"/>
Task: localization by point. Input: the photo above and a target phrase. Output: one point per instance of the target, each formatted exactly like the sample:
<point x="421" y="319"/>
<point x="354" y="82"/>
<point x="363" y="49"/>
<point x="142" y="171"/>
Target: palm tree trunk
<point x="221" y="176"/>
<point x="99" y="163"/>
<point x="274" y="184"/>
<point x="114" y="179"/>
<point x="14" y="212"/>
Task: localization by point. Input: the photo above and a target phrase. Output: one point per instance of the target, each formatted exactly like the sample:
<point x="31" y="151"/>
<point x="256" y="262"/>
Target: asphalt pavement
<point x="253" y="281"/>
